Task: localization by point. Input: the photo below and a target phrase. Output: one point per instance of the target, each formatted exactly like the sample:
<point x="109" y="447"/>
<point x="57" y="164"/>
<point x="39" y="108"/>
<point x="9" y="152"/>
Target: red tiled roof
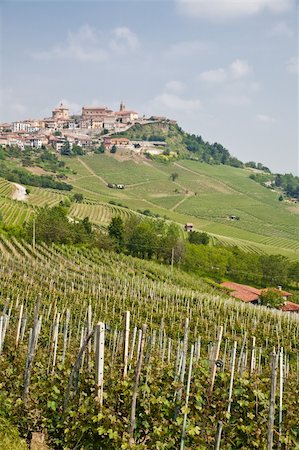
<point x="290" y="306"/>
<point x="242" y="292"/>
<point x="250" y="294"/>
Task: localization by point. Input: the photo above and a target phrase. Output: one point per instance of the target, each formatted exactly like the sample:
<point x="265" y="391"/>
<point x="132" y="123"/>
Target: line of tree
<point x="210" y="153"/>
<point x="162" y="241"/>
<point x="17" y="175"/>
<point x="288" y="183"/>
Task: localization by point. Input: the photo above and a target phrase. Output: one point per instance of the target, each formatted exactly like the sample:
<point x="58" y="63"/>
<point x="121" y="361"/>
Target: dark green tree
<point x="116" y="231"/>
<point x="196" y="237"/>
<point x="78" y="197"/>
<point x="174" y="176"/>
<point x="272" y="298"/>
<point x="274" y="269"/>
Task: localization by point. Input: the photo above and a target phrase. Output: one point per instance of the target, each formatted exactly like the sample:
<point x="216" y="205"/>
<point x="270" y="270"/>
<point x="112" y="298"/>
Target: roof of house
<point x="251" y="294"/>
<point x="242" y="291"/>
<point x="290" y="306"/>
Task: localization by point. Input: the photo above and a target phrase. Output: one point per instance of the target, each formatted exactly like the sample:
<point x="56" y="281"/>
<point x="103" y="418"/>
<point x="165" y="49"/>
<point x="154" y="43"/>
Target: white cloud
<point x="292" y="65"/>
<point x="123" y="39"/>
<point x="170" y="102"/>
<point x="237" y="69"/>
<point x="214" y="76"/>
<point x="232" y="99"/>
<point x="281" y="29"/>
<point x="89" y="45"/>
<point x="231" y="9"/>
<point x="174" y="86"/>
<point x="240" y="68"/>
<point x="187" y="49"/>
<point x="265" y="118"/>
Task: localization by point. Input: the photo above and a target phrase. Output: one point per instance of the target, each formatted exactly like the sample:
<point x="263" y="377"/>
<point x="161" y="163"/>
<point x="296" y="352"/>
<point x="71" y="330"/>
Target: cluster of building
<point x="61" y="127"/>
<point x="92" y="127"/>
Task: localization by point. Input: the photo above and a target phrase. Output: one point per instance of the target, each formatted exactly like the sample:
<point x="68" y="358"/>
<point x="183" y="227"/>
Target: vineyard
<point x="99" y="213"/>
<point x="101" y="350"/>
<point x="15" y="213"/>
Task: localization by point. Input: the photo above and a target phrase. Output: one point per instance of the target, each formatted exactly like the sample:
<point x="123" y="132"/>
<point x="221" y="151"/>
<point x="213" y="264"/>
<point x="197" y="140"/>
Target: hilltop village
<point x="92" y="127"/>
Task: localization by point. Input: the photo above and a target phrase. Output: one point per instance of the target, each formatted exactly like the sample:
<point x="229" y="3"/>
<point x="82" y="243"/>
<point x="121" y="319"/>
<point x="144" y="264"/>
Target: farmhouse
<point x="188" y="227"/>
<point x="249" y="294"/>
<point x="118" y="142"/>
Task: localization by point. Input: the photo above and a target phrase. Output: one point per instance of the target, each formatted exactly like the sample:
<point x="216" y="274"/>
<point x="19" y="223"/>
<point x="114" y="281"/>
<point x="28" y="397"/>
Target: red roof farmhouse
<point x="249" y="294"/>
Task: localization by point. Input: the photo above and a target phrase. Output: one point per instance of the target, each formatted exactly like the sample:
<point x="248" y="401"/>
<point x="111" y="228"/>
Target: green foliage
<point x="53" y="225"/>
<point x="272" y="298"/>
<point x="24" y="177"/>
<point x="78" y="197"/>
<point x="113" y="283"/>
<point x="274" y="269"/>
<point x="9" y="436"/>
<point x="195" y="237"/>
<point x="116" y="231"/>
<point x="289" y="183"/>
<point x="174" y="176"/>
<point x="100" y="150"/>
<point x="113" y="149"/>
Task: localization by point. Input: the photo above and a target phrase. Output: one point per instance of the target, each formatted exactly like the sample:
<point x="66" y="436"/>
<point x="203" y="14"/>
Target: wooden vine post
<point x="271" y="416"/>
<point x="281" y="374"/>
<point x="182" y="446"/>
<point x="32" y="342"/>
<point x="135" y="387"/>
<point x="99" y="363"/>
<point x="215" y="358"/>
<point x="232" y="377"/>
<point x="126" y="342"/>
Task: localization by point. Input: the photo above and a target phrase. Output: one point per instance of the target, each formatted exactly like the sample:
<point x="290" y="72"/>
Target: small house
<point x="188" y="227"/>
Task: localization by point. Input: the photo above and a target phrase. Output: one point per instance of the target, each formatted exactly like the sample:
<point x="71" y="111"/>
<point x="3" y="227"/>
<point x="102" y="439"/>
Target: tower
<point x="122" y="106"/>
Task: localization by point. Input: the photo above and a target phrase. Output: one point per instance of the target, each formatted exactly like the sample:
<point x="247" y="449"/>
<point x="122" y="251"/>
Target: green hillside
<point x="207" y="190"/>
<point x="206" y="195"/>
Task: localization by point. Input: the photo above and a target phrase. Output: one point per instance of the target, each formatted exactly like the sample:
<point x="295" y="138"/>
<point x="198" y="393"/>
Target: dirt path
<point x="19" y="193"/>
<point x="179" y="203"/>
<point x="220" y="186"/>
<point x="92" y="172"/>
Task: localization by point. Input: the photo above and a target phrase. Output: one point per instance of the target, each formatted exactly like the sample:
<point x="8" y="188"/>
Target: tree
<point x="116" y="231"/>
<point x="274" y="269"/>
<point x="196" y="237"/>
<point x="66" y="149"/>
<point x="87" y="225"/>
<point x="174" y="176"/>
<point x="52" y="225"/>
<point x="77" y="197"/>
<point x="100" y="150"/>
<point x="113" y="149"/>
<point x="272" y="298"/>
<point x="280" y="198"/>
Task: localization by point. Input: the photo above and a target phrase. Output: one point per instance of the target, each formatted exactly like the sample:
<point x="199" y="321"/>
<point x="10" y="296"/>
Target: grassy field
<point x="203" y="194"/>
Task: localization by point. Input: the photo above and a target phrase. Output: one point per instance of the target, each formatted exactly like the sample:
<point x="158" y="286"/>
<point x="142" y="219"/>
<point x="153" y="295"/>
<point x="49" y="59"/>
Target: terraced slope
<point x="52" y="299"/>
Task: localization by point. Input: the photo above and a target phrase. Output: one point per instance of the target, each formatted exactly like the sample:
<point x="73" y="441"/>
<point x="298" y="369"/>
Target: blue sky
<point x="225" y="69"/>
